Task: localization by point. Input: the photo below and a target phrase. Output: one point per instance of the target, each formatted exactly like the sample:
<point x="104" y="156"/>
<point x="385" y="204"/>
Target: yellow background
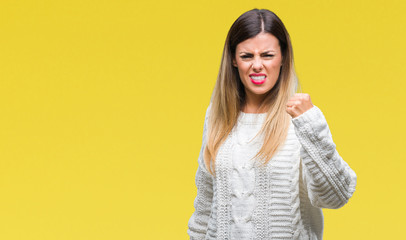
<point x="102" y="106"/>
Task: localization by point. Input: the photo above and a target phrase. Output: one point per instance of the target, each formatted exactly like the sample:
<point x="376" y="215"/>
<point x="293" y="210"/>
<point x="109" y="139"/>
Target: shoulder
<point x="208" y="112"/>
<point x="208" y="109"/>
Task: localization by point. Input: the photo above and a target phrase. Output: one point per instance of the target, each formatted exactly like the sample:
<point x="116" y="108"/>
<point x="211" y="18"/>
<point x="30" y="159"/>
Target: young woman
<point x="268" y="163"/>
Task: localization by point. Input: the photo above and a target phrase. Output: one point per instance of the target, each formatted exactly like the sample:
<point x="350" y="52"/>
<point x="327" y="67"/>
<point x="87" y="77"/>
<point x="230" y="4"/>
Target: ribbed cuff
<point x="310" y="115"/>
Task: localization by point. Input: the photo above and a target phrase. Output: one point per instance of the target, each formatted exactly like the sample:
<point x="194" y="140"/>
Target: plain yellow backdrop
<point x="102" y="106"/>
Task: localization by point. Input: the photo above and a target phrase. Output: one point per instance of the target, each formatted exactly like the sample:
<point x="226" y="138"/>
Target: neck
<point x="253" y="104"/>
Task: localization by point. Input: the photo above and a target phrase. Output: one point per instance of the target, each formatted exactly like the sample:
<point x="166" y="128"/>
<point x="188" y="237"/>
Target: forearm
<point x="197" y="226"/>
<point x="329" y="180"/>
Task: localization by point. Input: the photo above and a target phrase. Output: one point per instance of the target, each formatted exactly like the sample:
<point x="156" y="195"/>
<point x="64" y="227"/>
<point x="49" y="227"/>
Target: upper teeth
<point x="258" y="77"/>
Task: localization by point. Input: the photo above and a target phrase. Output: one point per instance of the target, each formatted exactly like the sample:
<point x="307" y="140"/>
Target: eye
<point x="269" y="55"/>
<point x="245" y="56"/>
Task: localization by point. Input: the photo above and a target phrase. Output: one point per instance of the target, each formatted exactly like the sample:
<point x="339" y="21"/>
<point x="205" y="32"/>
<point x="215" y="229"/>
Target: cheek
<point x="243" y="68"/>
<point x="274" y="68"/>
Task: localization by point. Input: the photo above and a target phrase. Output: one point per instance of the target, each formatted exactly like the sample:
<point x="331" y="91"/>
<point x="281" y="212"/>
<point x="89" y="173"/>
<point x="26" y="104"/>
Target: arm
<point x="197" y="225"/>
<point x="329" y="180"/>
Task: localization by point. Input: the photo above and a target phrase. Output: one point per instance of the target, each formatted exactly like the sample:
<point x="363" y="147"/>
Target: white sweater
<point x="280" y="201"/>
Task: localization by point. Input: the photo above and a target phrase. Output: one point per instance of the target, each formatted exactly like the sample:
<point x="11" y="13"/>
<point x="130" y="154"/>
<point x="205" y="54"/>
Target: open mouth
<point x="259" y="79"/>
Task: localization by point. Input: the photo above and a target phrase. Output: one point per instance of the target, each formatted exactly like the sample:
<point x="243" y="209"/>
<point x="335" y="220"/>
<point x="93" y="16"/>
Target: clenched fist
<point x="298" y="104"/>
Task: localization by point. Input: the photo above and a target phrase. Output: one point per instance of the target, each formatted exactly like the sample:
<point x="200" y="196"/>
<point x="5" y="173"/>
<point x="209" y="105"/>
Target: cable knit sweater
<point x="282" y="200"/>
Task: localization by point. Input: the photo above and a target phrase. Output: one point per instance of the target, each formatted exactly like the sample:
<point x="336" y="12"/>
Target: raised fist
<point x="298" y="104"/>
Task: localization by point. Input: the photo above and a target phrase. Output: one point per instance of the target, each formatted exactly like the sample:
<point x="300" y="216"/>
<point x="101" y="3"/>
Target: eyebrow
<point x="266" y="51"/>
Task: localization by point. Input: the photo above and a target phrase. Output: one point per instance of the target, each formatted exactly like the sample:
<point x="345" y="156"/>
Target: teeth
<point x="258" y="77"/>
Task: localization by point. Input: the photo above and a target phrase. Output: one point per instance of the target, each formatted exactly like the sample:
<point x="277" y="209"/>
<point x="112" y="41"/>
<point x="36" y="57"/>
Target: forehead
<point x="261" y="42"/>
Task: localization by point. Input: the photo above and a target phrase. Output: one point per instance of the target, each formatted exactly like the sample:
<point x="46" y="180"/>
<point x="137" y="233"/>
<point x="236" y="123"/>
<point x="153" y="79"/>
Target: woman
<point x="268" y="163"/>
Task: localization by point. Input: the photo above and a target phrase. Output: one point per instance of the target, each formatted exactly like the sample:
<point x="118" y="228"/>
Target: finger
<point x="293" y="100"/>
<point x="304" y="96"/>
<point x="292" y="112"/>
<point x="295" y="97"/>
<point x="293" y="103"/>
<point x="289" y="111"/>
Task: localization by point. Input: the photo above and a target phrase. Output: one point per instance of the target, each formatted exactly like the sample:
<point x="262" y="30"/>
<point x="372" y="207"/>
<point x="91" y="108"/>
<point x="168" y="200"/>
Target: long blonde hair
<point x="229" y="95"/>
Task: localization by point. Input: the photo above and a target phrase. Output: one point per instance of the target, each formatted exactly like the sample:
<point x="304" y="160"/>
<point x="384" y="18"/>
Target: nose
<point x="257" y="64"/>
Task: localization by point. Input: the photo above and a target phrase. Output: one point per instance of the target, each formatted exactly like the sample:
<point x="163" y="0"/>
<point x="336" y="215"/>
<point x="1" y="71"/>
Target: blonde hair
<point x="229" y="95"/>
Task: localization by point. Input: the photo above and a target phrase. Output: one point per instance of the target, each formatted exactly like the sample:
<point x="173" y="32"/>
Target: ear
<point x="234" y="63"/>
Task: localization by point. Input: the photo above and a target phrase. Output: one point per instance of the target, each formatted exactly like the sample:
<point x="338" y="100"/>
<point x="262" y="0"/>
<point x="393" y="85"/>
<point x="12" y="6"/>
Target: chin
<point x="261" y="92"/>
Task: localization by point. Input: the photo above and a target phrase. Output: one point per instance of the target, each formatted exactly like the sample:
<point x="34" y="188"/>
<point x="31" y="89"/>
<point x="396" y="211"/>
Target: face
<point x="259" y="61"/>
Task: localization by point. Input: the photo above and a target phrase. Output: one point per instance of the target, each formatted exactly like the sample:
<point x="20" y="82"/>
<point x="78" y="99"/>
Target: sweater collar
<point x="251" y="118"/>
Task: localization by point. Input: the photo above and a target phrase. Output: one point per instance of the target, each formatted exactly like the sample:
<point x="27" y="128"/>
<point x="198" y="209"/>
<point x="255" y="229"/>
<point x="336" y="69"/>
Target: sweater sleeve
<point x="329" y="180"/>
<point x="197" y="225"/>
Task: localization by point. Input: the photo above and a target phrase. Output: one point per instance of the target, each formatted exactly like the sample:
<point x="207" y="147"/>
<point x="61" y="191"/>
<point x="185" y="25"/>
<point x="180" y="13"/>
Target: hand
<point x="298" y="104"/>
